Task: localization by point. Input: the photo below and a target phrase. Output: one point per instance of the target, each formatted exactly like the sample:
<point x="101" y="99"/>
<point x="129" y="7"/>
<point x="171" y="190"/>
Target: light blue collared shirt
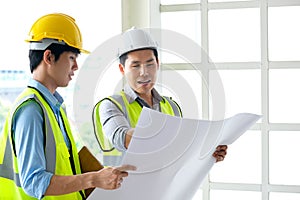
<point x="29" y="141"/>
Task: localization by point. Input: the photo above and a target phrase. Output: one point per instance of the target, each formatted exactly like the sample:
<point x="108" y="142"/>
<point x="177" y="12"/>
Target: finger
<point x="222" y="153"/>
<point x="222" y="147"/>
<point x="124" y="168"/>
<point x="120" y="181"/>
<point x="219" y="158"/>
<point x="118" y="185"/>
<point x="219" y="155"/>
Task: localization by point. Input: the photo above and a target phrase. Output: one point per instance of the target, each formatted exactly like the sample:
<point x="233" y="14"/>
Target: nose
<point x="75" y="65"/>
<point x="143" y="70"/>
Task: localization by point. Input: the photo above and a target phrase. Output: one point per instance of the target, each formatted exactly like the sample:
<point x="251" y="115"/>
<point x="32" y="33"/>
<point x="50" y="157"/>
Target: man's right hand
<point x="110" y="178"/>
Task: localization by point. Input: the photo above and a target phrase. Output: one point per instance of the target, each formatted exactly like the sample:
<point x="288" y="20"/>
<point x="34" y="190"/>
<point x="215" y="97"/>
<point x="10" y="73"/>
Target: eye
<point x="150" y="65"/>
<point x="73" y="56"/>
<point x="135" y="66"/>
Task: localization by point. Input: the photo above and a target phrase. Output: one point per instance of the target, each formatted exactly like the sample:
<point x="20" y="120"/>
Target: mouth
<point x="144" y="82"/>
<point x="70" y="76"/>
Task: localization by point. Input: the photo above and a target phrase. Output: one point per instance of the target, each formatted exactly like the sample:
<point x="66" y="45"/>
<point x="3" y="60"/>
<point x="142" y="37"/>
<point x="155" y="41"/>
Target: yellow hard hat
<point x="55" y="28"/>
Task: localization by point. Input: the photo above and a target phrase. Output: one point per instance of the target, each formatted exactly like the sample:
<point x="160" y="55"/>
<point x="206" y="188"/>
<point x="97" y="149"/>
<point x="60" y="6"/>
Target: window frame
<point x="264" y="65"/>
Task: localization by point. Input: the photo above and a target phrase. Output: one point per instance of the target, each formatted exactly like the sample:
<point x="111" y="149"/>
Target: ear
<point x="121" y="68"/>
<point x="47" y="57"/>
<point x="158" y="64"/>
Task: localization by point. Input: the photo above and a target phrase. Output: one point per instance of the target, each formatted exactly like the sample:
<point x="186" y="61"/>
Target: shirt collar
<point x="53" y="99"/>
<point x="131" y="95"/>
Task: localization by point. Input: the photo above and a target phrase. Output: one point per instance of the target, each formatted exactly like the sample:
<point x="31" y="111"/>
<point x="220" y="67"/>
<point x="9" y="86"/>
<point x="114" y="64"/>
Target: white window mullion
<point x="265" y="98"/>
<point x="204" y="57"/>
<point x="205" y="74"/>
<point x="155" y="17"/>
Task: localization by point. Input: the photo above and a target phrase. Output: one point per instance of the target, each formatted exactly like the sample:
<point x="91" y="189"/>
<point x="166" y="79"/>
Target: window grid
<point x="264" y="65"/>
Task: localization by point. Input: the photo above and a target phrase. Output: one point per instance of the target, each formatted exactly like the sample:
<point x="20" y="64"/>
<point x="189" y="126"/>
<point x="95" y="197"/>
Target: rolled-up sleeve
<point x="114" y="124"/>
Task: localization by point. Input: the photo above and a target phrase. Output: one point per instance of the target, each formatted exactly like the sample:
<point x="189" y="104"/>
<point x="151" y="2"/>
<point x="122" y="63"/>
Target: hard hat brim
<point x="44" y="43"/>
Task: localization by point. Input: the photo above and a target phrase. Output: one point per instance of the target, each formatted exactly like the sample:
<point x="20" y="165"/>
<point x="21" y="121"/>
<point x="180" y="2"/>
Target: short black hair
<point x="124" y="56"/>
<point x="36" y="56"/>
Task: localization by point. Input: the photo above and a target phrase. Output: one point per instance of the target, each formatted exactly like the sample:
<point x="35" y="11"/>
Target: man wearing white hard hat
<point x="116" y="116"/>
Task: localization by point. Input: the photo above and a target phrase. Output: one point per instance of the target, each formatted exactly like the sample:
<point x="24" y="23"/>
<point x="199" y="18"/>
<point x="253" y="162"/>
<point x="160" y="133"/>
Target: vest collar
<point x="55" y="100"/>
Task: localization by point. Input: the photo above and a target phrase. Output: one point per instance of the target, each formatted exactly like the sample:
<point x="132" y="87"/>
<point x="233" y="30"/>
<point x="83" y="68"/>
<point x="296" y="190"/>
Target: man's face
<point x="63" y="69"/>
<point x="140" y="71"/>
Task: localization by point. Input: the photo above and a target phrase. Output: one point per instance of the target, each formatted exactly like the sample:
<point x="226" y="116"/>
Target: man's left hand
<point x="220" y="153"/>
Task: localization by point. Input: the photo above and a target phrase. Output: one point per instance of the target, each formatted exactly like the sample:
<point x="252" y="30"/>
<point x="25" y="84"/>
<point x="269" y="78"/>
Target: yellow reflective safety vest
<point x="56" y="152"/>
<point x="132" y="112"/>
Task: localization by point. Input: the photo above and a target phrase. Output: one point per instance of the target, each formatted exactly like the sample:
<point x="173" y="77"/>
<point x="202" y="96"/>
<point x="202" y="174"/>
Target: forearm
<point x="118" y="139"/>
<point x="128" y="137"/>
<point x="114" y="124"/>
<point x="107" y="178"/>
<point x="67" y="184"/>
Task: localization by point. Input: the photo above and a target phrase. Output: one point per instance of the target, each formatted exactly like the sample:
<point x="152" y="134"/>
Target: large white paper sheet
<point x="173" y="155"/>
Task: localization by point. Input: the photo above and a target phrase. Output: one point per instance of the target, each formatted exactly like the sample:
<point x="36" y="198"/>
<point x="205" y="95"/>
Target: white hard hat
<point x="134" y="39"/>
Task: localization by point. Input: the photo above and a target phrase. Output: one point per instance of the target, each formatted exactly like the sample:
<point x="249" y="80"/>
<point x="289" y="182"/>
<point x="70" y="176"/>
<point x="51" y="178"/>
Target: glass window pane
<point x="243" y="161"/>
<point x="284" y="95"/>
<point x="234" y="35"/>
<point x="21" y="21"/>
<point x="242" y="90"/>
<point x="4" y="108"/>
<point x="285" y="196"/>
<point x="170" y="57"/>
<point x="185" y="87"/>
<point x="185" y="23"/>
<point x="284" y="162"/>
<point x="110" y="81"/>
<point x="284" y="40"/>
<point x="198" y="195"/>
<point x="234" y="195"/>
<point x="226" y="0"/>
<point x="167" y="2"/>
<point x="93" y="34"/>
<point x="12" y="83"/>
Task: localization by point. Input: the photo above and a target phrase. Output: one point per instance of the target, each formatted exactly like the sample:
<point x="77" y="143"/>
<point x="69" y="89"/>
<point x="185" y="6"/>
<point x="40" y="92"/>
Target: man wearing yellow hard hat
<point x="38" y="155"/>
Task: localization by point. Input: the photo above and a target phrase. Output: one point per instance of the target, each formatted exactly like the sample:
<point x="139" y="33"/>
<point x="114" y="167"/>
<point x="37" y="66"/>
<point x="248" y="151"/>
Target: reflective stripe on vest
<point x="131" y="112"/>
<point x="56" y="152"/>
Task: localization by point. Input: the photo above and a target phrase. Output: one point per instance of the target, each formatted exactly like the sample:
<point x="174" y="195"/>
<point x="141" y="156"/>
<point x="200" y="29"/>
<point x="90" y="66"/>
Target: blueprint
<point x="173" y="155"/>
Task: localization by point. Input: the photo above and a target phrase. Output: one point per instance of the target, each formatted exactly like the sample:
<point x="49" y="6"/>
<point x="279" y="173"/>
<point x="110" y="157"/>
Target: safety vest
<point x="56" y="152"/>
<point x="111" y="156"/>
